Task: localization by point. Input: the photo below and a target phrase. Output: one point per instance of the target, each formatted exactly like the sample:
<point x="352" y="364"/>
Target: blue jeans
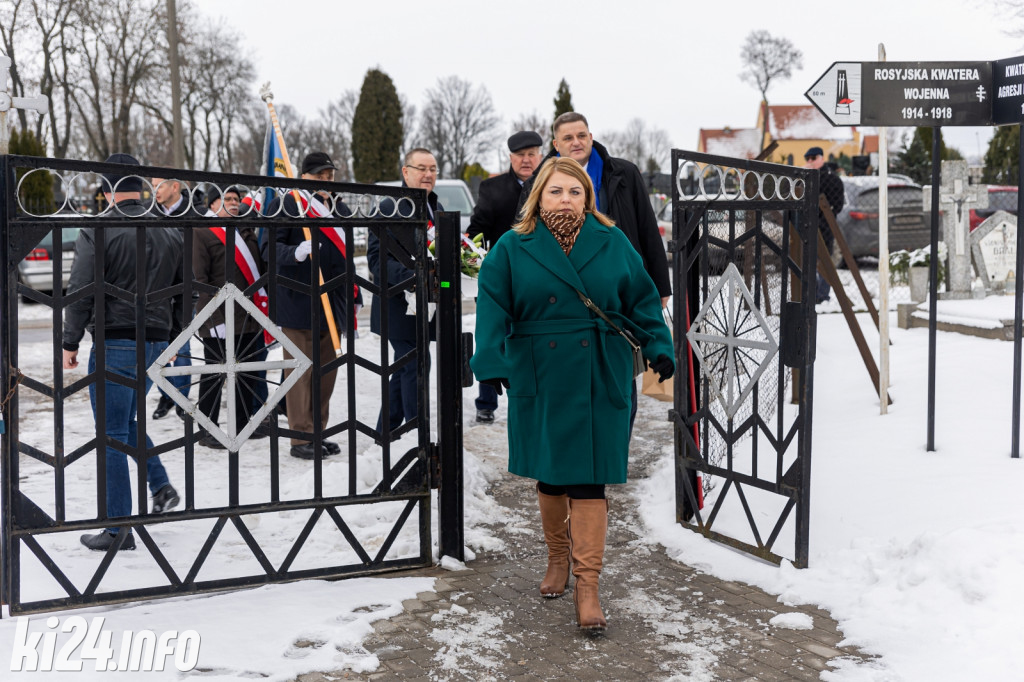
<point x="823" y="291"/>
<point x="121" y="405"/>
<point x="487" y="398"/>
<point x="184" y="359"/>
<point x="402" y="394"/>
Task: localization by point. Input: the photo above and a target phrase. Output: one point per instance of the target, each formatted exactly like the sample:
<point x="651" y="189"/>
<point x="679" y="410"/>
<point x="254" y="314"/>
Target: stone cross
<point x="956" y="199"/>
<point x="39" y="103"/>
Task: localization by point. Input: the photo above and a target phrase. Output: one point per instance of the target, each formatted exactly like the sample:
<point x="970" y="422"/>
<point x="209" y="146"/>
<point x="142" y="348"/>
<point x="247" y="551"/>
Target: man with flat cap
<point x="163" y="322"/>
<point x="494" y="215"/>
<point x="831" y="186"/>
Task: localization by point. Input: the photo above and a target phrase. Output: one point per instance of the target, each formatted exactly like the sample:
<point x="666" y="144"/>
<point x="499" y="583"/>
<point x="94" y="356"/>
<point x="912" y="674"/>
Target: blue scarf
<point x="595" y="169"/>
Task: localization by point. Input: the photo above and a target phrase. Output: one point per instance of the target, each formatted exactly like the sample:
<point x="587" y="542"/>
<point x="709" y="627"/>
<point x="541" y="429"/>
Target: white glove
<point x="302" y="250"/>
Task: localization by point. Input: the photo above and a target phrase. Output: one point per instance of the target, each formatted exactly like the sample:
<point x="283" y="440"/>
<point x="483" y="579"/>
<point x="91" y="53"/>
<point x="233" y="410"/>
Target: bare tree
<point x="765" y="59"/>
<point x="120" y="46"/>
<point x="53" y="19"/>
<point x="13" y="20"/>
<point x="535" y="122"/>
<point x="458" y="123"/>
<point x="648" y="148"/>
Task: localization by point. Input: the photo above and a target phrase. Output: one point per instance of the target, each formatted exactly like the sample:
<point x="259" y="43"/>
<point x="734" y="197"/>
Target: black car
<point x="858" y="221"/>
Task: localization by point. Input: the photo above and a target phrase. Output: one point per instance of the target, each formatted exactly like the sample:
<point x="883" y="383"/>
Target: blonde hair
<point x="560" y="164"/>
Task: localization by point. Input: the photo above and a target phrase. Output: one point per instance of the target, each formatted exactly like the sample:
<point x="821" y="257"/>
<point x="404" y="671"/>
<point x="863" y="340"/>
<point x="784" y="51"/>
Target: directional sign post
<point x="905" y="94"/>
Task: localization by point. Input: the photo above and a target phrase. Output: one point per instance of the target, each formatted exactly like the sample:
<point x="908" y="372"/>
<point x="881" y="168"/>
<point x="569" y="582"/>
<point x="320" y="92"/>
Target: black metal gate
<point x="249" y="514"/>
<point x="743" y="259"/>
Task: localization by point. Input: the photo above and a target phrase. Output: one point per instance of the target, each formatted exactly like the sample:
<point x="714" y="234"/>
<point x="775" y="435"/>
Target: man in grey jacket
<point x="121" y="333"/>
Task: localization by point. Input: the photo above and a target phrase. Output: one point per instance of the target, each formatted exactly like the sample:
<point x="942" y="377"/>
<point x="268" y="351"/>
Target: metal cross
<point x="38" y="103"/>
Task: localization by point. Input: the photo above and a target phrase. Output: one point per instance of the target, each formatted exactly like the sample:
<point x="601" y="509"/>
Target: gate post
<point x="451" y="536"/>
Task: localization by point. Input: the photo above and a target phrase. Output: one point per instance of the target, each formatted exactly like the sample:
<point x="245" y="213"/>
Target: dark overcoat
<point x="496" y="207"/>
<point x="569" y="373"/>
<point x="401" y="322"/>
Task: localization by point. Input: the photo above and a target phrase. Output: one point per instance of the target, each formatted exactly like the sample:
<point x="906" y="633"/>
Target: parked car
<point x="454" y="195"/>
<point x="1000" y="198"/>
<point x="858" y="221"/>
<point x="36" y="269"/>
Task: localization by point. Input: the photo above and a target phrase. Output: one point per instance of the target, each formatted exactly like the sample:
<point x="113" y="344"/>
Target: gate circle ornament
<point x="784" y="187"/>
<point x="412" y="207"/>
<point x="688" y="171"/>
<point x="735" y="177"/>
<point x="704" y="174"/>
<point x="64" y="191"/>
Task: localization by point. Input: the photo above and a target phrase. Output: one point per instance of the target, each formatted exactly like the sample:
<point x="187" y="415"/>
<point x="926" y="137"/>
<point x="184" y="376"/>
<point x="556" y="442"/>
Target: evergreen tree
<point x="1002" y="159"/>
<point x="563" y="99"/>
<point x="36" y="193"/>
<point x="916" y="158"/>
<point x="377" y="130"/>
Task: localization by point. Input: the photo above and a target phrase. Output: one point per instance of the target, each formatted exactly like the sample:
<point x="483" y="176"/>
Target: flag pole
<point x="267" y="96"/>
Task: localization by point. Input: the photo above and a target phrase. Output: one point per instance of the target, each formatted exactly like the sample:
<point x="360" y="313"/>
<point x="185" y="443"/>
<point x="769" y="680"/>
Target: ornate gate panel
<point x="743" y="254"/>
<point x="249" y="513"/>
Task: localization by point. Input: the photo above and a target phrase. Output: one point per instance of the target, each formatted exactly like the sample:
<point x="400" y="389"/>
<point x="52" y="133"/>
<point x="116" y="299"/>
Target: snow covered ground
<point x="918" y="555"/>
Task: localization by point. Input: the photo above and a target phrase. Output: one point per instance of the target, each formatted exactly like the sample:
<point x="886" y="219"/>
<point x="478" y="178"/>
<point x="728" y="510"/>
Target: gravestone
<point x="994" y="249"/>
<point x="957" y="196"/>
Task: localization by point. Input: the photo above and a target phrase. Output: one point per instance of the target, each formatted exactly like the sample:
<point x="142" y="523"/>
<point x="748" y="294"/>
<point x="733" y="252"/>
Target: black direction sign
<point x="1008" y="91"/>
<point x="905" y="93"/>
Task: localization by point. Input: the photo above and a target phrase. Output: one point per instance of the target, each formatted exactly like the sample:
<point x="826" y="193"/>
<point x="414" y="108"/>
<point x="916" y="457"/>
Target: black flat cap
<point x="524" y="139"/>
<point x="316" y="162"/>
<point x="214" y="193"/>
<point x="130" y="183"/>
<point x="814" y="151"/>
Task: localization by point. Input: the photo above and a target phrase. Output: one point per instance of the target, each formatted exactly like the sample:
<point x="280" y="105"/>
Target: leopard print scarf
<point x="564" y="226"/>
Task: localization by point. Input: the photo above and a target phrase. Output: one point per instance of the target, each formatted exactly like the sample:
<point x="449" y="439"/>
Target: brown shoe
<point x="588" y="525"/>
<point x="554" y="517"/>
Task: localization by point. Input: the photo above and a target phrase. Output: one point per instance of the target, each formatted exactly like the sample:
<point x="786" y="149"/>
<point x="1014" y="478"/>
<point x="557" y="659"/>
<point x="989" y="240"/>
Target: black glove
<point x="496" y="384"/>
<point x="664" y="367"/>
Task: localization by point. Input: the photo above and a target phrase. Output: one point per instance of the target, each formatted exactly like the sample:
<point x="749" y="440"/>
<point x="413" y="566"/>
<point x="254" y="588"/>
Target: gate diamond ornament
<point x="732" y="340"/>
<point x="230" y="367"/>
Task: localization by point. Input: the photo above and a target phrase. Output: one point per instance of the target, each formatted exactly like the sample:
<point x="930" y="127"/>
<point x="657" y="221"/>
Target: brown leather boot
<point x="588" y="524"/>
<point x="554" y="516"/>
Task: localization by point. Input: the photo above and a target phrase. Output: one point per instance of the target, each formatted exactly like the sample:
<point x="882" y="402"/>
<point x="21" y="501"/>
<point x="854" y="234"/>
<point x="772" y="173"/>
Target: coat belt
<point x="539" y="327"/>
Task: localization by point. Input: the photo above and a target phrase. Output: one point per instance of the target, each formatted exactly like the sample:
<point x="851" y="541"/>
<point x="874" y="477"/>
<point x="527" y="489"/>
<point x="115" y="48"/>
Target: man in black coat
<point x="419" y="171"/>
<point x="831" y="186"/>
<point x="120" y="336"/>
<point x="621" y="195"/>
<point x="293" y="310"/>
<point x="494" y="215"/>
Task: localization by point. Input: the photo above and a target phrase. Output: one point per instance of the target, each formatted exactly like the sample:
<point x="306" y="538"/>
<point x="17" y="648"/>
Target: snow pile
<point x="793" y="621"/>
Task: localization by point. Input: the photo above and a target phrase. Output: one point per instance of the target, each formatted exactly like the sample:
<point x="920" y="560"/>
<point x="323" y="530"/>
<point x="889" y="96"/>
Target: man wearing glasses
<point x="831" y="186"/>
<point x="419" y="171"/>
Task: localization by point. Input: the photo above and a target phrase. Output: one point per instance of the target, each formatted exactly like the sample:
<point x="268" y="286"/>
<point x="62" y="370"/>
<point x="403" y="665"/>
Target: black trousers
<point x="210" y="385"/>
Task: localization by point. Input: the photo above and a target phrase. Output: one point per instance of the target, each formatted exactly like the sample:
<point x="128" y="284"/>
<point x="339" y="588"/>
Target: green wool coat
<point x="569" y="373"/>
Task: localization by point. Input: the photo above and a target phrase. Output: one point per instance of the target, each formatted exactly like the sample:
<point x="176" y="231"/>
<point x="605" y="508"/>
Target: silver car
<point x="36" y="269"/>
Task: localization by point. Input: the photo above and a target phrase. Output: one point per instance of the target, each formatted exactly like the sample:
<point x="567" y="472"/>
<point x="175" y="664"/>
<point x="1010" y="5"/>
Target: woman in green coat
<point x="567" y="371"/>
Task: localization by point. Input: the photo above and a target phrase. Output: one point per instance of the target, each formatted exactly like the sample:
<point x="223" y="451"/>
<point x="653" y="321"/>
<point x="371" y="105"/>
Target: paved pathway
<point x="666" y="620"/>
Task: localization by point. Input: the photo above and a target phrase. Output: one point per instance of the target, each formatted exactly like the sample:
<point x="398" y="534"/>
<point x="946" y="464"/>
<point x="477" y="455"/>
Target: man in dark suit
<point x="494" y="215"/>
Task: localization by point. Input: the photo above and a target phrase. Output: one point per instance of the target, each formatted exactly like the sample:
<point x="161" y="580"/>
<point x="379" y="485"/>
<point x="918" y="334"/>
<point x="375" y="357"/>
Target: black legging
<point x="586" y="491"/>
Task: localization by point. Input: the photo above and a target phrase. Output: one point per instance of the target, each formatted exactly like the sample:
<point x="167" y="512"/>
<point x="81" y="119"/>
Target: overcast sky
<point x="675" y="64"/>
